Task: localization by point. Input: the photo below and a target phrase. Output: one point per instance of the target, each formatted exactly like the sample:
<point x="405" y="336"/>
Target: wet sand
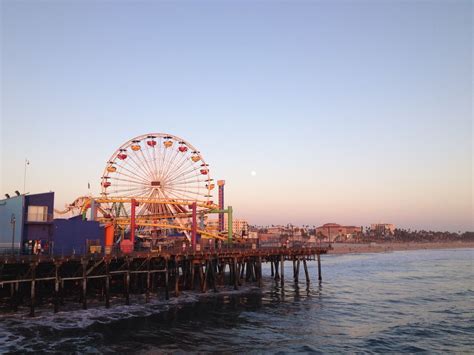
<point x="345" y="248"/>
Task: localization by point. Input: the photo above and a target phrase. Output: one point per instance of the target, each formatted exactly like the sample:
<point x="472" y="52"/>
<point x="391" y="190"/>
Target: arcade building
<point x="27" y="227"/>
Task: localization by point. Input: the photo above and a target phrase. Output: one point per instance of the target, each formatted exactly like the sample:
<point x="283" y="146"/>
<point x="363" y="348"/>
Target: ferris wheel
<point x="154" y="167"/>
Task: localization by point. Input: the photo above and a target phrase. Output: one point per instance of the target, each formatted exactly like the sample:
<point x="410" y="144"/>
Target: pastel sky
<point x="347" y="111"/>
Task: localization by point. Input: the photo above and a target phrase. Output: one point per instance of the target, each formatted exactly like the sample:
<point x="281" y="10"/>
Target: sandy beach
<point x="344" y="248"/>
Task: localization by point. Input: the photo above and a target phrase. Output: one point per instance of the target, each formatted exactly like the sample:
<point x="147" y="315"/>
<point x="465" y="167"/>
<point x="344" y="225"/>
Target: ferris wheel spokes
<point x="164" y="172"/>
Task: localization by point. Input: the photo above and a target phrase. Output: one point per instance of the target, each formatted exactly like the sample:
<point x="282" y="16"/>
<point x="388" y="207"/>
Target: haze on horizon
<point x="312" y="111"/>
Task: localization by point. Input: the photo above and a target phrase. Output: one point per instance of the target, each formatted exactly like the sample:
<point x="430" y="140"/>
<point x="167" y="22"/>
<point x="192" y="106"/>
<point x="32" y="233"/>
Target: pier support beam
<point x="33" y="290"/>
<point x="239" y="272"/>
<point x="193" y="271"/>
<point x="107" y="284"/>
<point x="277" y="274"/>
<point x="61" y="293"/>
<point x="206" y="276"/>
<point x="127" y="284"/>
<point x="84" y="284"/>
<point x="56" y="288"/>
<point x="319" y="266"/>
<point x="259" y="271"/>
<point x="297" y="272"/>
<point x="282" y="271"/>
<point x="176" y="278"/>
<point x="167" y="292"/>
<point x="213" y="275"/>
<point x="14" y="296"/>
<point x="236" y="277"/>
<point x="248" y="269"/>
<point x="306" y="271"/>
<point x="148" y="281"/>
<point x="201" y="277"/>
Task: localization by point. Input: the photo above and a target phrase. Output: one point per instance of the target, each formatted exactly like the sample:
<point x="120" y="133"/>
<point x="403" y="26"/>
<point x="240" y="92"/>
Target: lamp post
<point x="13" y="222"/>
<point x="27" y="162"/>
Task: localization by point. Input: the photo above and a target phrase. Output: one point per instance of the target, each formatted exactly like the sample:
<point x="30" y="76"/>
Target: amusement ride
<point x="156" y="186"/>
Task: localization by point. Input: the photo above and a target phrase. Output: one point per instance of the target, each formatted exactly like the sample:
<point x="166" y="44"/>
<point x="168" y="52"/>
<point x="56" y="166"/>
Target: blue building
<point x="38" y="222"/>
<point x="74" y="236"/>
<point x="27" y="226"/>
<point x="11" y="224"/>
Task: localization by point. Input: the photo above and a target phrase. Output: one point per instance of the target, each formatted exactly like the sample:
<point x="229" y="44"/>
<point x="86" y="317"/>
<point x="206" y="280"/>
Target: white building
<point x="277" y="230"/>
<point x="382" y="228"/>
<point x="239" y="226"/>
<point x="252" y="235"/>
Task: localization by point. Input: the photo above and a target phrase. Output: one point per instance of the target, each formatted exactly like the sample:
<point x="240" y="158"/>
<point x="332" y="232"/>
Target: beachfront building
<point x="212" y="223"/>
<point x="334" y="231"/>
<point x="251" y="235"/>
<point x="239" y="226"/>
<point x="269" y="240"/>
<point x="276" y="230"/>
<point x="382" y="228"/>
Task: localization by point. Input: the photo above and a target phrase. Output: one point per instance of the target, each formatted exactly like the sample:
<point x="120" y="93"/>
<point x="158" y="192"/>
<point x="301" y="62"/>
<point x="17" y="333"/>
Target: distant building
<point x="332" y="231"/>
<point x="297" y="232"/>
<point x="275" y="230"/>
<point x="212" y="224"/>
<point x="382" y="228"/>
<point x="252" y="235"/>
<point x="239" y="226"/>
<point x="269" y="240"/>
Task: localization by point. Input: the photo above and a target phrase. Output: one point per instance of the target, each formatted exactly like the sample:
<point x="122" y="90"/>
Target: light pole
<point x="24" y="176"/>
<point x="13" y="222"/>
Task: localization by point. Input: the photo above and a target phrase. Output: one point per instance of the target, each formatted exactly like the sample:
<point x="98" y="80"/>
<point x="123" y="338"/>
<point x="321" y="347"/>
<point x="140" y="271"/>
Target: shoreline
<point x="354" y="248"/>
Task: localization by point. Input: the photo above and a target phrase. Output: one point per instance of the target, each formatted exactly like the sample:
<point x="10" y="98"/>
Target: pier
<point x="30" y="281"/>
<point x="150" y="232"/>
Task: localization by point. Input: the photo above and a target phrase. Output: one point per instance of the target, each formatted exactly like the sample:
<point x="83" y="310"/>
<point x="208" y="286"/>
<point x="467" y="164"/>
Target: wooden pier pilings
<point x="33" y="280"/>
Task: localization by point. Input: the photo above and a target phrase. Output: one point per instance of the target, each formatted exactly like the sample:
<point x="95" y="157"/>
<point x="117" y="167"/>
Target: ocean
<point x="408" y="301"/>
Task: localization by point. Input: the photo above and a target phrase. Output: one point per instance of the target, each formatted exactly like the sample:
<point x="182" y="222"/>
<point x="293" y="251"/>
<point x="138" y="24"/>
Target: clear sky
<point x="348" y="111"/>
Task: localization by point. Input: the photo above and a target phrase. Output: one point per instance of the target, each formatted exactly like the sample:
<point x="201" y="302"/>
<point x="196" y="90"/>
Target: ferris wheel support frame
<point x="133" y="206"/>
<point x="229" y="212"/>
<point x="92" y="204"/>
<point x="194" y="225"/>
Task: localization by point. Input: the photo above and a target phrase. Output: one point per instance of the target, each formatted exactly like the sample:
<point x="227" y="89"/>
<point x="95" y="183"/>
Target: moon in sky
<point x="253" y="173"/>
